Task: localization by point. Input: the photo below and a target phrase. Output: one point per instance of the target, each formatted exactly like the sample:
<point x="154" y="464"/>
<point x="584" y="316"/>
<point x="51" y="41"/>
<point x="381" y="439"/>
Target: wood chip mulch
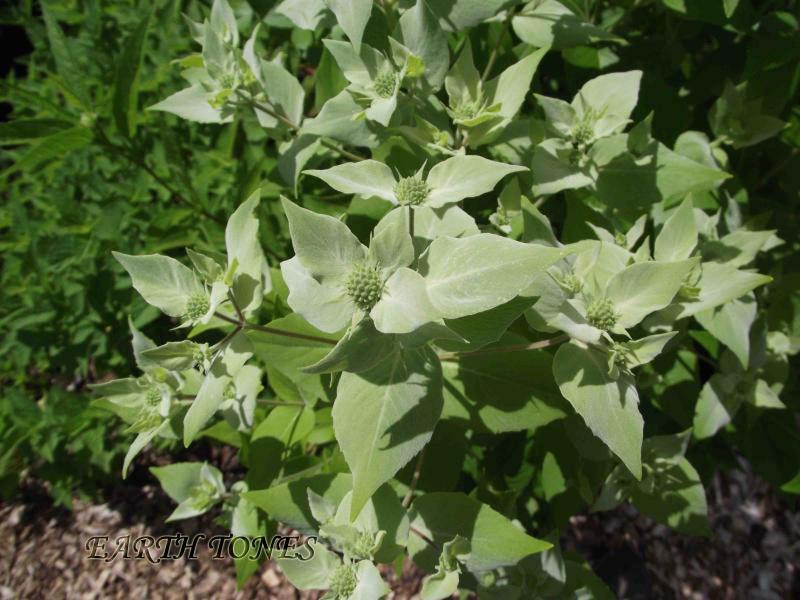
<point x="754" y="553"/>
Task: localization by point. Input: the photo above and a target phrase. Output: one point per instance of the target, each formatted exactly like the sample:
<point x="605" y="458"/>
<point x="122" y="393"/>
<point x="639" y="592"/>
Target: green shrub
<point x="484" y="265"/>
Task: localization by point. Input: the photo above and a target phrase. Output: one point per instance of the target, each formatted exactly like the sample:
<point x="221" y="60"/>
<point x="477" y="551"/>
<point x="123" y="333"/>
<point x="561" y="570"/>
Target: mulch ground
<point x="754" y="553"/>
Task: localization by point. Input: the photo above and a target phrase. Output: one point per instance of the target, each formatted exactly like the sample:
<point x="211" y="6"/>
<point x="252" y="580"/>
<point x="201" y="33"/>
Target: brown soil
<point x="753" y="554"/>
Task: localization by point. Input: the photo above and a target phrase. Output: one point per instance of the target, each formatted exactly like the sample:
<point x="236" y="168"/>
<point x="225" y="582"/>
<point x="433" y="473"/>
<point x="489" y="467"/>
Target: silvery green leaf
<point x="128" y="392"/>
<point x="731" y="323"/>
<point x="384" y="517"/>
<point x="212" y="392"/>
<point x="717" y="405"/>
<point x="720" y="283"/>
<point x="371" y="585"/>
<point x="739" y="119"/>
<point x="597" y="262"/>
<point x="322" y="509"/>
<point x="138" y="444"/>
<point x="611" y="98"/>
<point x="173" y="356"/>
<point x="441" y="516"/>
<point x="140" y="343"/>
<point x="245" y="520"/>
<point x="430" y="223"/>
<point x="294" y="155"/>
<point x="457" y="15"/>
<point x="382" y="109"/>
<point x="550" y="24"/>
<point x="391" y="245"/>
<point x="223" y="21"/>
<point x="536" y="227"/>
<point x="634" y="234"/>
<point x="192" y="104"/>
<point x="469" y="275"/>
<point x="559" y="115"/>
<point x="404" y="306"/>
<point x="178" y="479"/>
<point x="284" y="92"/>
<point x="352" y="16"/>
<point x="288" y="502"/>
<point x="465" y="176"/>
<point x="463" y="82"/>
<point x="484" y="328"/>
<point x="643" y="288"/>
<point x="552" y="171"/>
<point x="603" y="234"/>
<point x="338" y="119"/>
<point x="645" y="349"/>
<point x="439" y="586"/>
<point x="325" y="305"/>
<point x="444" y="583"/>
<point x="610" y="408"/>
<point x="217" y="58"/>
<point x="653" y="176"/>
<point x="368" y="178"/>
<point x="208" y="268"/>
<point x="764" y="396"/>
<point x="385" y="416"/>
<point x="323" y="245"/>
<point x="738" y="248"/>
<point x="678" y="237"/>
<point x="503" y="391"/>
<point x="244" y="250"/>
<point x="509" y="91"/>
<point x="616" y="489"/>
<point x="239" y="410"/>
<point x="162" y="281"/>
<point x="305" y="14"/>
<point x="312" y="574"/>
<point x="422" y="35"/>
<point x="360" y="349"/>
<point x="570" y="318"/>
<point x="676" y="498"/>
<point x="359" y="67"/>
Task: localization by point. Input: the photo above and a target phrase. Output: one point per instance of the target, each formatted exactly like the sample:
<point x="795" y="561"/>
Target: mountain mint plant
<point x="434" y="360"/>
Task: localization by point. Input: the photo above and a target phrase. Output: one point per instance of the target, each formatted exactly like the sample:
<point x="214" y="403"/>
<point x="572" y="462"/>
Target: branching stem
<point x="498" y="349"/>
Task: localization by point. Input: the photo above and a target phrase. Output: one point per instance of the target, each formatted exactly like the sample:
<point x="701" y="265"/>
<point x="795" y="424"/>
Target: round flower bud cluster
<point x="466" y="110"/>
<point x="600" y="313"/>
<point x="571" y="283"/>
<point x="384" y="84"/>
<point x="411" y="190"/>
<point x="364" y="547"/>
<point x="197" y="306"/>
<point x="364" y="285"/>
<point x="203" y="495"/>
<point x="343" y="581"/>
<point x="582" y="133"/>
<point x="152" y="396"/>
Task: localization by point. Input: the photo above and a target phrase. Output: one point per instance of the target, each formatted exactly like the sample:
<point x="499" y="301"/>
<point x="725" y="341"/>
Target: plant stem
<point x="493" y="55"/>
<point x="274" y="330"/>
<point x="295" y="127"/>
<point x="268" y="402"/>
<point x="425" y="538"/>
<point x="291" y="334"/>
<point x="414" y="479"/>
<point x="515" y="348"/>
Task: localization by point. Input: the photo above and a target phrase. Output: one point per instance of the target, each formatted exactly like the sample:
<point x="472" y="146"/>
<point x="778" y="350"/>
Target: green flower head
<point x="601" y="314"/>
<point x="334" y="280"/>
